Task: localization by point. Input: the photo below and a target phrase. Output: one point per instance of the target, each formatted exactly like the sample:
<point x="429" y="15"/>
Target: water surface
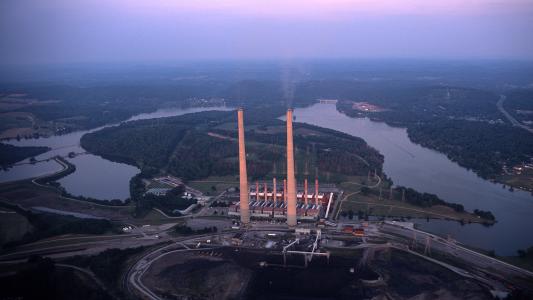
<point x="425" y="170"/>
<point x="94" y="177"/>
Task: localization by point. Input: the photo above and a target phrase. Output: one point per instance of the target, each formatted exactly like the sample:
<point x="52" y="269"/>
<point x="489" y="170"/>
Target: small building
<point x="157" y="191"/>
<point x="302" y="230"/>
<point x="359" y="232"/>
<point x="347" y="229"/>
<point x="203" y="200"/>
<point x="237" y="239"/>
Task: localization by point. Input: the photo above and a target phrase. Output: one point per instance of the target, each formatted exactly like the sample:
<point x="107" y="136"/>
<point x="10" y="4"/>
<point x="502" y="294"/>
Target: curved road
<point x="511" y="119"/>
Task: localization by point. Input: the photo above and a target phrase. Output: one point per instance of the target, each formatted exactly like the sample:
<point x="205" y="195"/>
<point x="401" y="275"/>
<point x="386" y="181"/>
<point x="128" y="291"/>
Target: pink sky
<point x="332" y="8"/>
<point x="131" y="30"/>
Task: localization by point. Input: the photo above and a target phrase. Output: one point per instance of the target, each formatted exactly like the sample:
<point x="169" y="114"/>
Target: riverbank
<point x="482" y="146"/>
<point x="44" y="191"/>
<point x="51" y="181"/>
<point x="427" y="171"/>
<point x="378" y="200"/>
<point x="68" y="169"/>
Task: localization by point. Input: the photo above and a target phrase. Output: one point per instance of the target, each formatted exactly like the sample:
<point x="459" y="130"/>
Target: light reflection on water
<point x="425" y="170"/>
<point x="94" y="177"/>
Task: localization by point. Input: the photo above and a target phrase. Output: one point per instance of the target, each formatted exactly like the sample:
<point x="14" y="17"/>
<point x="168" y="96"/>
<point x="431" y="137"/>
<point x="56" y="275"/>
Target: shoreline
<point x="495" y="179"/>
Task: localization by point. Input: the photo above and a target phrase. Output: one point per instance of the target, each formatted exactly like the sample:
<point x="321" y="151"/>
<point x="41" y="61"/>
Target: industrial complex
<point x="288" y="238"/>
<point x="290" y="201"/>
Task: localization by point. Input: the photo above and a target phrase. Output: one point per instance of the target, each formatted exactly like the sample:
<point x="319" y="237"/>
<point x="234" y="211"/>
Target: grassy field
<point x="523" y="181"/>
<point x="154" y="218"/>
<point x="371" y="204"/>
<point x="22" y="124"/>
<point x="15" y="120"/>
<point x="220" y="184"/>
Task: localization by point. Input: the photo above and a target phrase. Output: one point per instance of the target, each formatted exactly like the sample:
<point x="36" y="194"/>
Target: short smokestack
<point x="274" y="191"/>
<point x="266" y="191"/>
<point x="257" y="190"/>
<point x="316" y="191"/>
<point x="285" y="191"/>
<point x="305" y="191"/>
<point x="291" y="184"/>
<point x="243" y="175"/>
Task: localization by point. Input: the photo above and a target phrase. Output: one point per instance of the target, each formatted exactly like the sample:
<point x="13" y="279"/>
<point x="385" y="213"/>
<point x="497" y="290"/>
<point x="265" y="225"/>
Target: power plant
<point x="294" y="202"/>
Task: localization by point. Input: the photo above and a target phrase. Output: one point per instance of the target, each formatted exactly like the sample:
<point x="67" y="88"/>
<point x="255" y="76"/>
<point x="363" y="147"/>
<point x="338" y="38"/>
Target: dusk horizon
<point x="59" y="31"/>
<point x="266" y="149"/>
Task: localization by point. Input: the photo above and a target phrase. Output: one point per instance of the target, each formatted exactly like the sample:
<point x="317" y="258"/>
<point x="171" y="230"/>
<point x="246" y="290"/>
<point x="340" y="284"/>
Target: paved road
<point x="486" y="269"/>
<point x="136" y="272"/>
<point x="511" y="119"/>
<point x="490" y="266"/>
<point x="338" y="206"/>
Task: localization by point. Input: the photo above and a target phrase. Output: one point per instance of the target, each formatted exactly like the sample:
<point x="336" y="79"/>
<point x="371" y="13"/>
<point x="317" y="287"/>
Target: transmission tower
<point x="427" y="248"/>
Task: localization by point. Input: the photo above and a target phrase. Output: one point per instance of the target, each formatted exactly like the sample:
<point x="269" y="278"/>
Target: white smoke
<point x="290" y="75"/>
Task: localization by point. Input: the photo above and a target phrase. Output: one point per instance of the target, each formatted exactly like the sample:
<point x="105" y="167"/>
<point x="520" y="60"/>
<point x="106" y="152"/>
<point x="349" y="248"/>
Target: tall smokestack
<point x="243" y="175"/>
<point x="291" y="184"/>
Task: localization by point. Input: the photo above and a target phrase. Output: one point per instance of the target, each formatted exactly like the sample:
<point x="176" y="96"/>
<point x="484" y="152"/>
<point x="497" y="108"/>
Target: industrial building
<point x="265" y="203"/>
<point x="270" y="200"/>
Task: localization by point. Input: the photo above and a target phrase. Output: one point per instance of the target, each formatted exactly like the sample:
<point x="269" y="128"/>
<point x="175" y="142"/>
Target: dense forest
<point x="72" y="107"/>
<point x="431" y="109"/>
<point x="10" y="154"/>
<point x="484" y="148"/>
<point x="203" y="144"/>
<point x="414" y="104"/>
<point x="519" y="104"/>
<point x="463" y="123"/>
<point x="427" y="98"/>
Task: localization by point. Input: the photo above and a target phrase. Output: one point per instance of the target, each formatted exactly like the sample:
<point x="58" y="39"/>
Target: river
<point x="425" y="170"/>
<point x="406" y="163"/>
<point x="94" y="177"/>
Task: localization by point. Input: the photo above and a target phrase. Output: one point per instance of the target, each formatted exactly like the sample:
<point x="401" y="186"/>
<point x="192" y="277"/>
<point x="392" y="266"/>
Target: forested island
<point x="200" y="145"/>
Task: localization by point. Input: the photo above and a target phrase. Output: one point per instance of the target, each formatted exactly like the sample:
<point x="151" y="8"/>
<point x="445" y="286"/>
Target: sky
<point x="101" y="31"/>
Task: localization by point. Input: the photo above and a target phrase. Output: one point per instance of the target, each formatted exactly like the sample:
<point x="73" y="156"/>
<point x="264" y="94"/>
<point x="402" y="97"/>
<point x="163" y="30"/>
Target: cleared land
<point x="368" y="203"/>
<point x="197" y="275"/>
<point x="214" y="185"/>
<point x="522" y="181"/>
